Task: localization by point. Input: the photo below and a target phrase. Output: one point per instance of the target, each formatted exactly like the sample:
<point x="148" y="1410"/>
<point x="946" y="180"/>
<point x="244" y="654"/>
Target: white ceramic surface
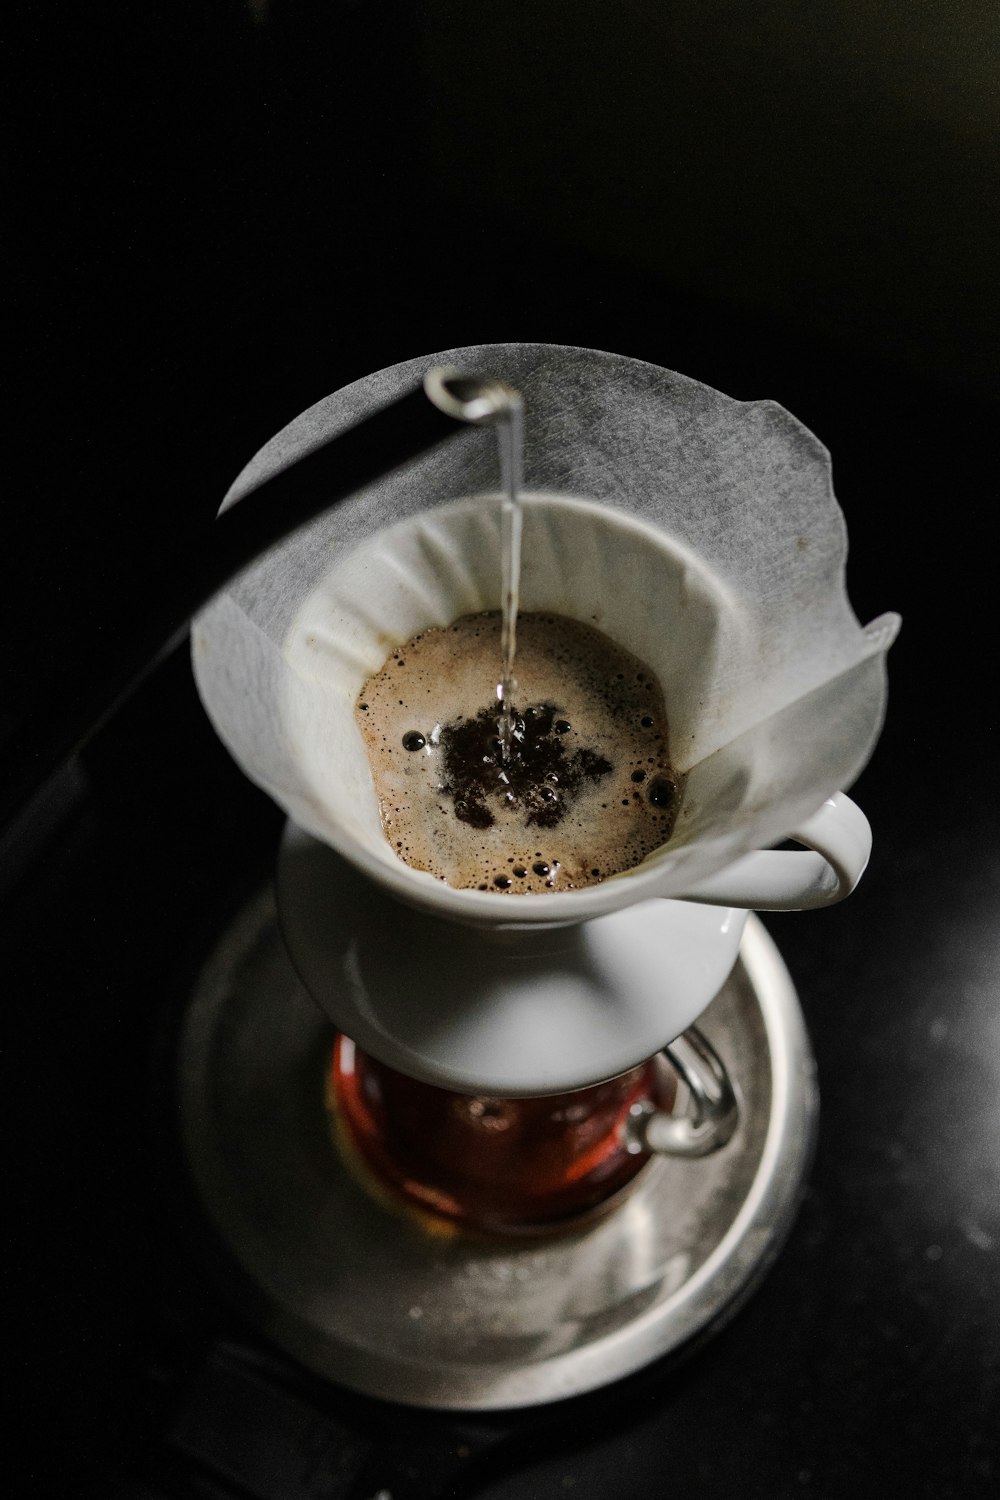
<point x="511" y="1013"/>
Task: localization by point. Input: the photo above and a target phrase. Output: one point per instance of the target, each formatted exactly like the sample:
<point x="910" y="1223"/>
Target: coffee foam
<point x="444" y="676"/>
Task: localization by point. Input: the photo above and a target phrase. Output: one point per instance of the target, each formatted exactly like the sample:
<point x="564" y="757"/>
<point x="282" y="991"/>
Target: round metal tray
<point x="364" y="1297"/>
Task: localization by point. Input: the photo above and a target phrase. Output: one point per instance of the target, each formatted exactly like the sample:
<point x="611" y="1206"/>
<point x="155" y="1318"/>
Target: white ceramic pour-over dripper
<point x="640" y="588"/>
<point x="528" y="993"/>
<point x="716" y="556"/>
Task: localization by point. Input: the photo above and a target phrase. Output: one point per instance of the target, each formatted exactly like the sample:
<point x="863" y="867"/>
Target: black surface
<point x="224" y="222"/>
<point x="96" y="676"/>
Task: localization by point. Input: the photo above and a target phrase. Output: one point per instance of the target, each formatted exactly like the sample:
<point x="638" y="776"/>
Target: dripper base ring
<point x="360" y="1297"/>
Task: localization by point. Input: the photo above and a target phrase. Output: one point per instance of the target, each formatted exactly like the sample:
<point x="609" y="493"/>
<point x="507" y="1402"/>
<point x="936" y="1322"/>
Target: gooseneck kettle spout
<point x="87" y="694"/>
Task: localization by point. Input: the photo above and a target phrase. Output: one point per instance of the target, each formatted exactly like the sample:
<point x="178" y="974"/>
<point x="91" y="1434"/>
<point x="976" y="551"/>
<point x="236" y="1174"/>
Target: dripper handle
<point x="839" y="842"/>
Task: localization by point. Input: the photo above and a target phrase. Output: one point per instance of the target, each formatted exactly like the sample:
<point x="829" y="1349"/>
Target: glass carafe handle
<point x="712" y="1113"/>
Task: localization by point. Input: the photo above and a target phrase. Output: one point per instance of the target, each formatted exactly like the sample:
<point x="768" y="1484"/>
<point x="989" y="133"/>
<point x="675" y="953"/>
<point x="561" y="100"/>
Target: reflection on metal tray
<point x="364" y="1298"/>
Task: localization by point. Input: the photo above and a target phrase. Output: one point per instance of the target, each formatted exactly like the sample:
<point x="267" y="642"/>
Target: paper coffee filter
<point x="579" y="560"/>
<point x="707" y="541"/>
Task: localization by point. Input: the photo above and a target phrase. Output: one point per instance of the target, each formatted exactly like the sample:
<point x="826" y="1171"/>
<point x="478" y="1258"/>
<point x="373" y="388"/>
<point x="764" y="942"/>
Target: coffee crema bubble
<point x="586" y="789"/>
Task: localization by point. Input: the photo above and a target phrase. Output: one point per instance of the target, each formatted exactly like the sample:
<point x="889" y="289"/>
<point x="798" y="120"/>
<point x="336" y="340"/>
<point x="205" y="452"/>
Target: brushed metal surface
<point x="369" y="1299"/>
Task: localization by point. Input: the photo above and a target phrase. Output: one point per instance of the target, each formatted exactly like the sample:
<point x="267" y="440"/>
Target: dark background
<point x="226" y="210"/>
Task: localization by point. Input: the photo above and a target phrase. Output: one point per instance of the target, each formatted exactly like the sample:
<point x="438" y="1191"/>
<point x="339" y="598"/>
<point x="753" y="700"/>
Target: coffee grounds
<point x="538" y="777"/>
<point x="587" y="791"/>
